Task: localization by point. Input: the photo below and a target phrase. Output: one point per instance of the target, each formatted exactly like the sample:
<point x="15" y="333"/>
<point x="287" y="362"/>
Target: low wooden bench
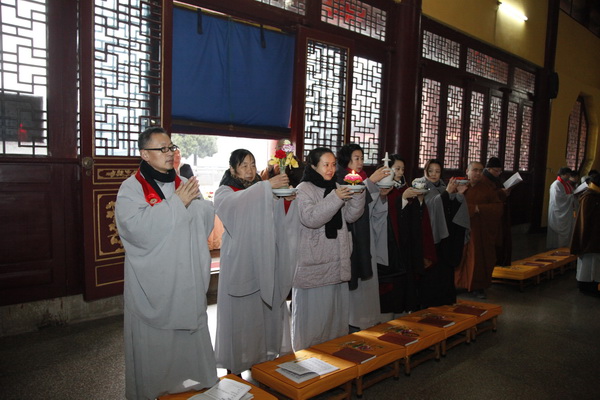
<point x="535" y="268"/>
<point x="258" y="393"/>
<point x="385" y="364"/>
<point x="426" y="348"/>
<point x="455" y="334"/>
<point x="516" y="274"/>
<point x="486" y="322"/>
<point x="338" y="383"/>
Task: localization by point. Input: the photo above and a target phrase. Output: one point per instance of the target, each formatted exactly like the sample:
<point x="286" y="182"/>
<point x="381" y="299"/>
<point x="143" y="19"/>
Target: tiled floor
<point x="546" y="347"/>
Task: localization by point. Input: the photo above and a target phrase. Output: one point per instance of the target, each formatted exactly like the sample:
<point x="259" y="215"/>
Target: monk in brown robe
<point x="479" y="257"/>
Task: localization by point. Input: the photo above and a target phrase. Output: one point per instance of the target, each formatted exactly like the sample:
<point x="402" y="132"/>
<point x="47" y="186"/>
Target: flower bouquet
<point x="284" y="157"/>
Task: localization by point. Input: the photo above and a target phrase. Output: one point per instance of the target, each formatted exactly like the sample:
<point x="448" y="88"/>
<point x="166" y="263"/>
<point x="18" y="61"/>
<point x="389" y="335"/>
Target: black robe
<point x="438" y="283"/>
<point x="409" y="242"/>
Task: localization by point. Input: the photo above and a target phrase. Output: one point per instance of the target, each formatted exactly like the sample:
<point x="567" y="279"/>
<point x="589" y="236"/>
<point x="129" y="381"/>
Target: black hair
<point x="344" y="154"/>
<point x="564" y="171"/>
<point x="146" y="136"/>
<point x="433" y="161"/>
<point x="314" y="156"/>
<point x="396" y="157"/>
<point x="237" y="157"/>
<point x="595" y="179"/>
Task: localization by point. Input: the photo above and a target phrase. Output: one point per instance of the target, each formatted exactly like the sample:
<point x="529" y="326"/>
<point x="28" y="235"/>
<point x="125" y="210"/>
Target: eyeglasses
<point x="166" y="149"/>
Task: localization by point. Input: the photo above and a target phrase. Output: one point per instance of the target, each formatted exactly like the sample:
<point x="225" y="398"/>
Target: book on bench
<point x="533" y="264"/>
<point x="546" y="260"/>
<point x="303" y="370"/>
<point x="353" y="355"/>
<point x="226" y="389"/>
<point x="462" y="309"/>
<point x="397" y="338"/>
<point x="436" y="321"/>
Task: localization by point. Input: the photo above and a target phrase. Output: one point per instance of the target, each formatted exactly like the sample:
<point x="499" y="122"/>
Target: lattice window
<point x="127" y="72"/>
<point x="295" y="6"/>
<point x="453" y="127"/>
<point x="525" y="138"/>
<point x="366" y="107"/>
<point x="475" y="127"/>
<point x="488" y="67"/>
<point x="511" y="136"/>
<point x="441" y="49"/>
<point x="524" y="81"/>
<point x="325" y="112"/>
<point x="493" y="146"/>
<point x="23" y="78"/>
<point x="577" y="136"/>
<point x="355" y="16"/>
<point x="430" y="120"/>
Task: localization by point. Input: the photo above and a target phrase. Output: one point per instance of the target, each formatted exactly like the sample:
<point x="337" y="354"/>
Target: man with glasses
<point x="479" y="257"/>
<point x="164" y="223"/>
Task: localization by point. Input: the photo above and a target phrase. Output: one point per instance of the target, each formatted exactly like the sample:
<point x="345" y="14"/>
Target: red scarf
<point x="567" y="185"/>
<point x="150" y="194"/>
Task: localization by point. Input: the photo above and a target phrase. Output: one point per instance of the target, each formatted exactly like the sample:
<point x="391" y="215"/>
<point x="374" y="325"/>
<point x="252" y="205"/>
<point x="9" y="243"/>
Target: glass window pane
<point x="127" y="72"/>
<point x="23" y="78"/>
<point x="366" y="108"/>
<point x="430" y="119"/>
<point x="325" y="107"/>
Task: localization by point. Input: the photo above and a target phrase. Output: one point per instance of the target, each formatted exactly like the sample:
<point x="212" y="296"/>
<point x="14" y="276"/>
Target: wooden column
<point x="542" y="112"/>
<point x="403" y="114"/>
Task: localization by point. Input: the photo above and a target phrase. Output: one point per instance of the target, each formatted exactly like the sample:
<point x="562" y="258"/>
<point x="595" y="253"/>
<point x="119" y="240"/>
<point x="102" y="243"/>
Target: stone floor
<point x="546" y="347"/>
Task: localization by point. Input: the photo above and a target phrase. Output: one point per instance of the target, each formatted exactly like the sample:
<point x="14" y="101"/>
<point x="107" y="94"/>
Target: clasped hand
<point x="188" y="191"/>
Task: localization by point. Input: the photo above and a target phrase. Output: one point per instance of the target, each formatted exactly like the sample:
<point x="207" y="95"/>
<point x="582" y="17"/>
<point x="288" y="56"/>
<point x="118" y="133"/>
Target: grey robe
<point x="257" y="260"/>
<point x="435" y="206"/>
<point x="167" y="270"/>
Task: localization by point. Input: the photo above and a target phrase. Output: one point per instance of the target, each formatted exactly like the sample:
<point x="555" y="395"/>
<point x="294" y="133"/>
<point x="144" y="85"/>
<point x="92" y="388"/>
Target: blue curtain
<point x="222" y="74"/>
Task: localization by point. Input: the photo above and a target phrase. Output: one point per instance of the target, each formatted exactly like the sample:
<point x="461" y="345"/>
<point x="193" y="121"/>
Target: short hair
<point x="473" y="162"/>
<point x="595" y="179"/>
<point x="146" y="136"/>
<point x="564" y="171"/>
<point x="314" y="156"/>
<point x="433" y="161"/>
<point x="344" y="154"/>
<point x="237" y="157"/>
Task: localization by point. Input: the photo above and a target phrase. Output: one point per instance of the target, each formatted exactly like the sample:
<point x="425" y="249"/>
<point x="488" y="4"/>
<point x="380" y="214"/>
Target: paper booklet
<point x="513" y="180"/>
<point x="226" y="389"/>
<point x="580" y="188"/>
<point x="300" y="371"/>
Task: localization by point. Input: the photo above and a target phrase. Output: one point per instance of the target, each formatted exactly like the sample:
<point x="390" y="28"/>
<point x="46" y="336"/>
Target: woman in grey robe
<point x="257" y="260"/>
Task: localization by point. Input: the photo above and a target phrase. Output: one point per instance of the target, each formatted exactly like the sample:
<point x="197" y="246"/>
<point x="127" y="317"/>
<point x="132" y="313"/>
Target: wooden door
<point x="121" y="56"/>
